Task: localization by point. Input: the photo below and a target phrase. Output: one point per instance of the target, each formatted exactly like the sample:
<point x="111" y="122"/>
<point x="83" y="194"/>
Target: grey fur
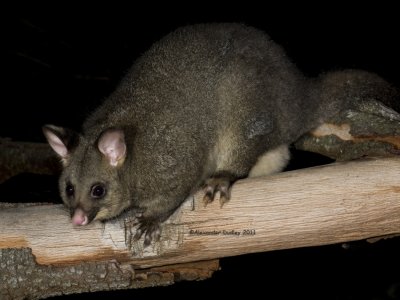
<point x="205" y="101"/>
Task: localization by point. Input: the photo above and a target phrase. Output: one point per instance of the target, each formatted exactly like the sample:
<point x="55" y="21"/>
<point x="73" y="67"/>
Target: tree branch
<point x="316" y="206"/>
<point x="20" y="157"/>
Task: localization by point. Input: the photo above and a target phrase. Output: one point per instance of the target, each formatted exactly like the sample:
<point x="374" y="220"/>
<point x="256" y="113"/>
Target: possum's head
<point x="90" y="184"/>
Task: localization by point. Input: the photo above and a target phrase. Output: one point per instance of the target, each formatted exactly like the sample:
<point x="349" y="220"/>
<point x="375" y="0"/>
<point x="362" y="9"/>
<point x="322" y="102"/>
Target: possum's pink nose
<point x="79" y="217"/>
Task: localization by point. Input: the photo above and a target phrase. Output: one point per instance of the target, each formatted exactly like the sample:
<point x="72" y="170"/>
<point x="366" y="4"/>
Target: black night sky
<point x="61" y="63"/>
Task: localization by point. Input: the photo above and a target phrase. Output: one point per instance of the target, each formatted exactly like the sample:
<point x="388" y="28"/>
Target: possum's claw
<point x="152" y="232"/>
<point x="214" y="185"/>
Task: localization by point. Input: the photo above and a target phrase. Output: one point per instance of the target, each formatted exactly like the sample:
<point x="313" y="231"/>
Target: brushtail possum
<point x="204" y="106"/>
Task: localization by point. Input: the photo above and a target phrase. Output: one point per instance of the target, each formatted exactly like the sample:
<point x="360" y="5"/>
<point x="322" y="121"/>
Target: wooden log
<point x="316" y="206"/>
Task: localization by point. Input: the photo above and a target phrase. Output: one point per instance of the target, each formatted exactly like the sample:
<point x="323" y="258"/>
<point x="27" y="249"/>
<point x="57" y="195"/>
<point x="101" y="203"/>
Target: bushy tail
<point x="349" y="88"/>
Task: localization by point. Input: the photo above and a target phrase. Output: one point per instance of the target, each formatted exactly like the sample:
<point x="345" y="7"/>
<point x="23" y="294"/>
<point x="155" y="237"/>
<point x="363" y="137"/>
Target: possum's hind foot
<point x="214" y="185"/>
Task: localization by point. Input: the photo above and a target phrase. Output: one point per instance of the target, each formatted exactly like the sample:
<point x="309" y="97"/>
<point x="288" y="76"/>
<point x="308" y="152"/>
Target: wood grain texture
<point x="316" y="206"/>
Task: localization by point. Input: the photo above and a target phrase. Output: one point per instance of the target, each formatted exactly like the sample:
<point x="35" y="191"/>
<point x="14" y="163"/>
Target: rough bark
<point x="21" y="277"/>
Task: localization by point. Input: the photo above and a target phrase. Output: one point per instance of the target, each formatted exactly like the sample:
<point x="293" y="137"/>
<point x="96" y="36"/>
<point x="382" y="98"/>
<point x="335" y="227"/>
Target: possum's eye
<point x="98" y="191"/>
<point x="69" y="190"/>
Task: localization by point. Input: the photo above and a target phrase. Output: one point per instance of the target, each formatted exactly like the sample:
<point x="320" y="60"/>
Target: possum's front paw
<point x="214" y="185"/>
<point x="151" y="229"/>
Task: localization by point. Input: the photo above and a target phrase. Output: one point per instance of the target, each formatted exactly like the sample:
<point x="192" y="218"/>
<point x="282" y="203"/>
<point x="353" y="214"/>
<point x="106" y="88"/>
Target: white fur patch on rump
<point x="272" y="161"/>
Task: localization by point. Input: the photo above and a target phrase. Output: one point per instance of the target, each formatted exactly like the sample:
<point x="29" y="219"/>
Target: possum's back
<point x="203" y="71"/>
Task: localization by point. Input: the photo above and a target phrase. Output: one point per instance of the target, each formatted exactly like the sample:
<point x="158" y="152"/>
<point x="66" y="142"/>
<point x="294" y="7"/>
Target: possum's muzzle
<point x="80" y="217"/>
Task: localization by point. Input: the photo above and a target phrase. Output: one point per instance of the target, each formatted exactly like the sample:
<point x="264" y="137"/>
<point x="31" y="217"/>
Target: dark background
<point x="59" y="63"/>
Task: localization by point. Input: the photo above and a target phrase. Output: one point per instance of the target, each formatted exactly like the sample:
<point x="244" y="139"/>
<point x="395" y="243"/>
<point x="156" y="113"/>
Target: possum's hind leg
<point x="218" y="183"/>
<point x="270" y="162"/>
<point x="236" y="151"/>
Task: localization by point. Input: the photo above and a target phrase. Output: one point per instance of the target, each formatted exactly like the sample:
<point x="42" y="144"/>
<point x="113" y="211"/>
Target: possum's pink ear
<point x="61" y="140"/>
<point x="112" y="144"/>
